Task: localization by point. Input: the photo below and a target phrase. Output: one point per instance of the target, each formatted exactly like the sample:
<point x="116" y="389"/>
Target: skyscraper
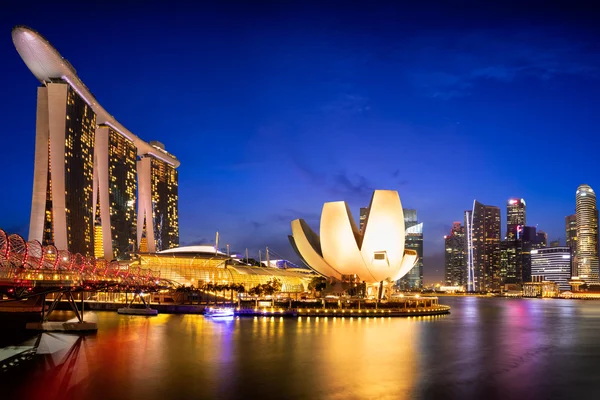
<point x="158" y="199"/>
<point x="85" y="167"/>
<point x="483" y="247"/>
<point x="414" y="241"/>
<point x="515" y="216"/>
<point x="454" y="260"/>
<point x="571" y="235"/>
<point x="62" y="203"/>
<point x="510" y="261"/>
<point x="115" y="174"/>
<point x="587" y="233"/>
<point x="511" y="246"/>
<point x="529" y="242"/>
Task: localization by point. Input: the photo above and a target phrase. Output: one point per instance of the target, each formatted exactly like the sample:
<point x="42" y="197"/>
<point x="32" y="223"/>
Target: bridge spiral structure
<point x="30" y="265"/>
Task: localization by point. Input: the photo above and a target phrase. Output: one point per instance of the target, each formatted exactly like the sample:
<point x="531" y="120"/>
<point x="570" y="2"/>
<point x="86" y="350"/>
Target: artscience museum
<point x="373" y="255"/>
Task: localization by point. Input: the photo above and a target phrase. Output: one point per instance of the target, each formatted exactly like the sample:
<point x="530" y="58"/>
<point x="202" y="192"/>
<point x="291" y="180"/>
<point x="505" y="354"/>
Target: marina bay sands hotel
<point x="91" y="173"/>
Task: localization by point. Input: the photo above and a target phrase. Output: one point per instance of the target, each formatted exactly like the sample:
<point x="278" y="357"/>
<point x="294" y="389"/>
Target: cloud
<point x="288" y="215"/>
<point x="306" y="171"/>
<point x="256" y="224"/>
<point x="354" y="185"/>
<point x="447" y="68"/>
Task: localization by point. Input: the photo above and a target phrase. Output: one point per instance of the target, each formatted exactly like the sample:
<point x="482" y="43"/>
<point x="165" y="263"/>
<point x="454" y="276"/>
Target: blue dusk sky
<point x="276" y="107"/>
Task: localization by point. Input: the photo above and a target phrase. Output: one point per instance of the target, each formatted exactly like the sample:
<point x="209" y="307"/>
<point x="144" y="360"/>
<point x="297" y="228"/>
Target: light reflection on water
<point x="487" y="348"/>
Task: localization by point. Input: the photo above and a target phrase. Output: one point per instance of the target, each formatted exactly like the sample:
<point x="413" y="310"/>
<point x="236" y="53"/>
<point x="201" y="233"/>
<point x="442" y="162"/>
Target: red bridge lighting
<point x="19" y="259"/>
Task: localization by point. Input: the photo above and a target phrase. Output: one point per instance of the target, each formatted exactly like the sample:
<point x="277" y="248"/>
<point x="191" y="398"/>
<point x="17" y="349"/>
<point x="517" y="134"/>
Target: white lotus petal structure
<point x="375" y="254"/>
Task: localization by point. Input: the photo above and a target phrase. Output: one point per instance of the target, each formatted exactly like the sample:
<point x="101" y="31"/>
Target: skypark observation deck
<point x="46" y="63"/>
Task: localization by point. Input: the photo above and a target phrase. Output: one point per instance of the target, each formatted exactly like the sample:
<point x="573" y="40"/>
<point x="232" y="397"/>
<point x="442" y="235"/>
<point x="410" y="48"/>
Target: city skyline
<point x="250" y="163"/>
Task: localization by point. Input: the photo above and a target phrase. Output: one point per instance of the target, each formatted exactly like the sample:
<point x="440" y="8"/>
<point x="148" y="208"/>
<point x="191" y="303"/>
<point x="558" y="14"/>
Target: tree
<point x="317" y="284"/>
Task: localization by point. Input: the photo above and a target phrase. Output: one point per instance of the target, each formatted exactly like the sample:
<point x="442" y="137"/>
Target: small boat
<point x="217" y="312"/>
<point x="137" y="311"/>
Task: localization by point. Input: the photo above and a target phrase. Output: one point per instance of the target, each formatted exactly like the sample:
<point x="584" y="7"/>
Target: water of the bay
<point x="486" y="348"/>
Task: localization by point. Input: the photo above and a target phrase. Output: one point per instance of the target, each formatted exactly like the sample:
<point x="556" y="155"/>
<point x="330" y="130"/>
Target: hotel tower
<point x="90" y="171"/>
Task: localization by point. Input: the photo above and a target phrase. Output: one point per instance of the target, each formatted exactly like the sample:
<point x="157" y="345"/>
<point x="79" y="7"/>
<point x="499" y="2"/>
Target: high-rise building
<point x="158" y="198"/>
<point x="511" y="246"/>
<point x="363" y="217"/>
<point x="85" y="166"/>
<point x="510" y="261"/>
<point x="414" y="241"/>
<point x="555" y="243"/>
<point x="587" y="233"/>
<point x="571" y="240"/>
<point x="63" y="181"/>
<point x="115" y="173"/>
<point x="455" y="256"/>
<point x="483" y="247"/>
<point x="529" y="242"/>
<point x="515" y="216"/>
<point x="553" y="264"/>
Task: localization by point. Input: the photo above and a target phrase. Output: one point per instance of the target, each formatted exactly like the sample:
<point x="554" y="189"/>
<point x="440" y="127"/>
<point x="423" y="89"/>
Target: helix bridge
<point x="29" y="270"/>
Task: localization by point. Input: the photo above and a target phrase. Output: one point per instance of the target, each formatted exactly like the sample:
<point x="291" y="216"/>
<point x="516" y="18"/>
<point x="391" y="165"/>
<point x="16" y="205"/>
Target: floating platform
<point x="90" y="324"/>
<point x="68" y="326"/>
<point x="137" y="311"/>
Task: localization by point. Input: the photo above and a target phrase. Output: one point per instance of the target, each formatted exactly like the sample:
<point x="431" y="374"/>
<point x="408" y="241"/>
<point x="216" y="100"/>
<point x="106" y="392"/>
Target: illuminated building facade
<point x="158" y="203"/>
<point x="515" y="216"/>
<point x="540" y="288"/>
<point x="587" y="233"/>
<point x="553" y="264"/>
<point x="512" y="245"/>
<point x="511" y="261"/>
<point x="85" y="159"/>
<point x="195" y="265"/>
<point x="414" y="241"/>
<point x="455" y="256"/>
<point x="115" y="178"/>
<point x="98" y="247"/>
<point x="571" y="240"/>
<point x="375" y="255"/>
<point x="62" y="203"/>
<point x="483" y="248"/>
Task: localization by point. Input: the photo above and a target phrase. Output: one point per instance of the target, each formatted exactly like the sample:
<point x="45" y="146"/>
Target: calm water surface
<point x="487" y="348"/>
